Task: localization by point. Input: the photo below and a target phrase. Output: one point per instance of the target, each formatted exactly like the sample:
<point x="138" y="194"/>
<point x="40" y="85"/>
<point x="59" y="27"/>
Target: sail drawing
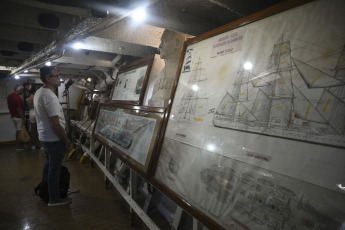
<point x="194" y="101"/>
<point x="282" y="106"/>
<point x="235" y="104"/>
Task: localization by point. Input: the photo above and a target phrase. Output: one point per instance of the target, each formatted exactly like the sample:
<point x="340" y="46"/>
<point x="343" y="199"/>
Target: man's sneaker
<point x="60" y="202"/>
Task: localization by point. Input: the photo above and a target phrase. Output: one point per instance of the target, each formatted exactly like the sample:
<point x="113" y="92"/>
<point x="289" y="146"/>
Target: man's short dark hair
<point x="45" y="72"/>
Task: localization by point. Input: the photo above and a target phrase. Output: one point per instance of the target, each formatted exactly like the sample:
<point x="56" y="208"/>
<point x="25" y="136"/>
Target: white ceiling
<point x="32" y="32"/>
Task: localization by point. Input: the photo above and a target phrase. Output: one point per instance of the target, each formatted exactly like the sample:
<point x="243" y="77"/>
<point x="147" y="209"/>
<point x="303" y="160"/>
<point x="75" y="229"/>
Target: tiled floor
<point x="95" y="207"/>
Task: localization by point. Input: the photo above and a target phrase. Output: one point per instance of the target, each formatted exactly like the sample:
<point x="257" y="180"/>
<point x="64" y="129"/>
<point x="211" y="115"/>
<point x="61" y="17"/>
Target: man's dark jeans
<point x="55" y="152"/>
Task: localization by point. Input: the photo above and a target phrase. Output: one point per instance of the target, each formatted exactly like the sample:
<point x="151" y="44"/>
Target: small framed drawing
<point x="131" y="81"/>
<point x="131" y="132"/>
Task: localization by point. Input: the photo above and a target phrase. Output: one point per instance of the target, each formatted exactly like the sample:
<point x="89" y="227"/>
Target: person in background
<point x="32" y="117"/>
<point x="50" y="127"/>
<point x="16" y="108"/>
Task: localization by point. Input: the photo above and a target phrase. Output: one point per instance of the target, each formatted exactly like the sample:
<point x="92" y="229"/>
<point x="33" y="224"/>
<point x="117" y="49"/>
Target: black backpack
<point x="41" y="189"/>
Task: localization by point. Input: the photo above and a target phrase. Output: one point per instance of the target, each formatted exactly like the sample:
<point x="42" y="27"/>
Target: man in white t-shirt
<point x="50" y="127"/>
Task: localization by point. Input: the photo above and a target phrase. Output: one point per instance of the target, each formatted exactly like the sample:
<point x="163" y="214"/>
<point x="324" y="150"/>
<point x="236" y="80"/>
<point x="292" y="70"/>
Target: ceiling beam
<point x="77" y="72"/>
<point x="118" y="47"/>
<point x="5" y="68"/>
<point x="83" y="61"/>
<point x="227" y="6"/>
<point x="166" y="17"/>
<point x="74" y="66"/>
<point x="18" y="56"/>
<point x="29" y="75"/>
<point x="56" y="8"/>
<point x="128" y="31"/>
<point x="13" y="46"/>
<point x="21" y="34"/>
<point x="9" y="62"/>
<point x="28" y="16"/>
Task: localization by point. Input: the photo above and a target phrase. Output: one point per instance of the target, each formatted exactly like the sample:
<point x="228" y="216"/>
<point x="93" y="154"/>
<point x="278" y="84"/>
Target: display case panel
<point x="256" y="132"/>
<point x="131" y="132"/>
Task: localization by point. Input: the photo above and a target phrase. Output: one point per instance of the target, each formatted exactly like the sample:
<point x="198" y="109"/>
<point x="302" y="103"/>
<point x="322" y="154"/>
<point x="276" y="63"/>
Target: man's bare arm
<point x="21" y="114"/>
<point x="60" y="132"/>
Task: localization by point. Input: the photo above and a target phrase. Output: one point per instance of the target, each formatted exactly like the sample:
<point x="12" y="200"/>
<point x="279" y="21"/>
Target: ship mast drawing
<point x="194" y="102"/>
<point x="283" y="107"/>
<point x="235" y="105"/>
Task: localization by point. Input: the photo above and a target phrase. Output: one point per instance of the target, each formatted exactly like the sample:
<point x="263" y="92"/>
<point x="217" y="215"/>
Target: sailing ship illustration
<point x="194" y="102"/>
<point x="122" y="129"/>
<point x="120" y="137"/>
<point x="273" y="103"/>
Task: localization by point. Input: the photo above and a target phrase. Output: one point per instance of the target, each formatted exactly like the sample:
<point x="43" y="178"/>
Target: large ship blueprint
<point x="274" y="103"/>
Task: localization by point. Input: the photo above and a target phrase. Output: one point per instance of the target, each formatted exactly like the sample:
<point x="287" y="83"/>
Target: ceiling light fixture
<point x="77" y="45"/>
<point x="25" y="71"/>
<point x="16" y="77"/>
<point x="48" y="63"/>
<point x="139" y="14"/>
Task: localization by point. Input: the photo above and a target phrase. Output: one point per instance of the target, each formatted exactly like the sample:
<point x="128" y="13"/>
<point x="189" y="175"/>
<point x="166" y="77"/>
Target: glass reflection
<point x="211" y="147"/>
<point x="247" y="65"/>
<point x="341" y="187"/>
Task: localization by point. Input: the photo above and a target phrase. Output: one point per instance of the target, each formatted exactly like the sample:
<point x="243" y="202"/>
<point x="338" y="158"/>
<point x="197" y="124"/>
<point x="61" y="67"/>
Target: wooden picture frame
<point x="216" y="170"/>
<point x="131" y="132"/>
<point x="131" y="81"/>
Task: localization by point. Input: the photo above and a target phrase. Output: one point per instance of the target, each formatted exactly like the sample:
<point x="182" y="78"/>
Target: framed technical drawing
<point x="131" y="80"/>
<point x="256" y="132"/>
<point x="131" y="132"/>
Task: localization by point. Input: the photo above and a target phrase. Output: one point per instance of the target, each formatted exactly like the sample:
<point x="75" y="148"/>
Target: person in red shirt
<point x="16" y="108"/>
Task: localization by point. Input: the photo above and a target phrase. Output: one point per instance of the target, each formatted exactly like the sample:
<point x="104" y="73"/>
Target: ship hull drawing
<point x="120" y="137"/>
<point x="121" y="129"/>
<point x="290" y="99"/>
<point x="261" y="202"/>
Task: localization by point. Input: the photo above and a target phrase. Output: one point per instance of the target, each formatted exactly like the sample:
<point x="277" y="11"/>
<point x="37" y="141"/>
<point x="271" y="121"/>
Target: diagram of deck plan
<point x="273" y="103"/>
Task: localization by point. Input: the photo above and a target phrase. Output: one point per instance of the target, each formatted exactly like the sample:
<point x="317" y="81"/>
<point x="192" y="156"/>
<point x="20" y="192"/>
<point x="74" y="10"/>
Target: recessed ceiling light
<point x="139" y="14"/>
<point x="77" y="45"/>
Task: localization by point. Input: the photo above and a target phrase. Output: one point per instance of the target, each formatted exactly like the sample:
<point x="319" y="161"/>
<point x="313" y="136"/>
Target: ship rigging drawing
<point x="193" y="104"/>
<point x="275" y="103"/>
